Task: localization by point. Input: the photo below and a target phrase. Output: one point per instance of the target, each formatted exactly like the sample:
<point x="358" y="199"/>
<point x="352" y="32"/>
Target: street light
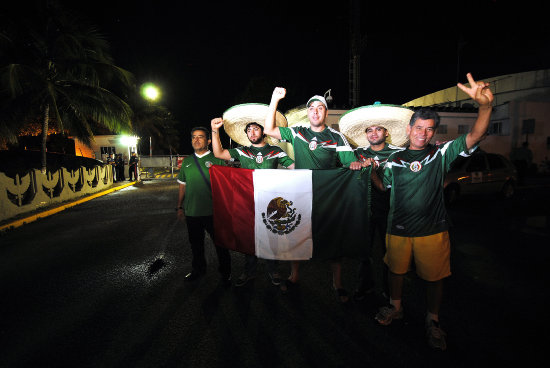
<point x="328" y="96"/>
<point x="151" y="93"/>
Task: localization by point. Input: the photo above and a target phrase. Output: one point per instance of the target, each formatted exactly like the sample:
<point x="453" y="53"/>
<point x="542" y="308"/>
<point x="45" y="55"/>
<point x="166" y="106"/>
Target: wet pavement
<point x="101" y="285"/>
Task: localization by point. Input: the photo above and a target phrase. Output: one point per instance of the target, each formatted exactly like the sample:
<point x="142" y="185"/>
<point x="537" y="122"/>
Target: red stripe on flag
<point x="233" y="199"/>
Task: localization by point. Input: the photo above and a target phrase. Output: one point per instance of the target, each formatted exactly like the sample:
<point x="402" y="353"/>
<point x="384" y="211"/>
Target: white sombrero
<point x="235" y="119"/>
<point x="394" y="118"/>
<point x="298" y="117"/>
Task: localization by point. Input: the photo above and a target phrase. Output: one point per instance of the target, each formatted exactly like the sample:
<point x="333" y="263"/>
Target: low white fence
<point x="34" y="190"/>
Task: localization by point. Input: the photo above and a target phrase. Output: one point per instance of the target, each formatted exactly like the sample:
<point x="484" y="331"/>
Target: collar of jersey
<point x="201" y="156"/>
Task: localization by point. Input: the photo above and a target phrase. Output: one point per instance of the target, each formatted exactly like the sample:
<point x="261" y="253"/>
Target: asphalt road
<point x="78" y="290"/>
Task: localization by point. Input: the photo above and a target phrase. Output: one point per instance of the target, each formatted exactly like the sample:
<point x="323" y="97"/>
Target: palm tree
<point x="58" y="67"/>
<point x="154" y="121"/>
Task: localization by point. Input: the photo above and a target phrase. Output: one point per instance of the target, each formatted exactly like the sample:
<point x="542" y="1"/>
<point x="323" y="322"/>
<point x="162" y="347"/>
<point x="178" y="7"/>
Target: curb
<point x="46" y="213"/>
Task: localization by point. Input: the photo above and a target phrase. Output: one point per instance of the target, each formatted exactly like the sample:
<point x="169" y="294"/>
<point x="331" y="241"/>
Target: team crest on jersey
<point x="208" y="164"/>
<point x="415" y="166"/>
<point x="280" y="218"/>
<point x="312" y="145"/>
<point x="259" y="159"/>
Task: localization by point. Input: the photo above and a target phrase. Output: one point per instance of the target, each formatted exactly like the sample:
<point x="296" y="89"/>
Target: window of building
<point x="442" y="129"/>
<point x="495" y="128"/>
<point x="463" y="129"/>
<point x="108" y="150"/>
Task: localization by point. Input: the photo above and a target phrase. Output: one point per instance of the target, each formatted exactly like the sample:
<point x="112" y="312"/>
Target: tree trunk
<point x="44" y="147"/>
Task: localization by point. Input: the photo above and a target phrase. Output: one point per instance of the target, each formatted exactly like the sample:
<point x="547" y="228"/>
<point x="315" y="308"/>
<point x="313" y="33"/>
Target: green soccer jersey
<point x="266" y="157"/>
<point x="198" y="195"/>
<point x="380" y="201"/>
<point x="328" y="149"/>
<point x="416" y="178"/>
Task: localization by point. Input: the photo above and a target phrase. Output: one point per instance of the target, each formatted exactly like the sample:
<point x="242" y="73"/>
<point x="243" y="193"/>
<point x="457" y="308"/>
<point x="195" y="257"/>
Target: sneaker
<point x="275" y="278"/>
<point x="435" y="335"/>
<point x="243" y="279"/>
<point x="387" y="314"/>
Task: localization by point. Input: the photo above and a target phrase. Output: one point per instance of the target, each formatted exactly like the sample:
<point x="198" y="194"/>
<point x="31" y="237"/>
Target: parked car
<point x="480" y="173"/>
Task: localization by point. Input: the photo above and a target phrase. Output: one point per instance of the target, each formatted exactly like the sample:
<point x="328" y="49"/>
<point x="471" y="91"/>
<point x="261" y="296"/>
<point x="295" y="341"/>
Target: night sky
<point x="208" y="56"/>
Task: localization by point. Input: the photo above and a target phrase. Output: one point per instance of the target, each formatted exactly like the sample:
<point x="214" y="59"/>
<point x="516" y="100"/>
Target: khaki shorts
<point x="431" y="255"/>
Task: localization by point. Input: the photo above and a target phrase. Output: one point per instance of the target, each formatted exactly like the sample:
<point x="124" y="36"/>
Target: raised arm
<point x="480" y="93"/>
<point x="217" y="148"/>
<point x="270" y="128"/>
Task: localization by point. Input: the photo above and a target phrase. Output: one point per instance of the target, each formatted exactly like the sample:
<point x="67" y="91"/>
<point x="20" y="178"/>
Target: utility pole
<point x="355" y="51"/>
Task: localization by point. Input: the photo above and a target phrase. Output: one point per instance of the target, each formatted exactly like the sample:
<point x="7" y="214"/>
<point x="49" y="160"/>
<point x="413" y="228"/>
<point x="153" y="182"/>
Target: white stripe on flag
<point x="284" y="231"/>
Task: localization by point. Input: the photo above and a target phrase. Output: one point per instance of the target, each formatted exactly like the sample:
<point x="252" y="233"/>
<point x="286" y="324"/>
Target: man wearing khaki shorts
<point x="417" y="226"/>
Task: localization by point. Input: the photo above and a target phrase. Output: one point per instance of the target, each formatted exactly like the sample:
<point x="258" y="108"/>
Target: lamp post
<point x="151" y="93"/>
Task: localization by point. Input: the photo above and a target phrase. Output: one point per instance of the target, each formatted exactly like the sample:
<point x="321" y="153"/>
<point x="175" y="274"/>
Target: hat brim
<point x="394" y="118"/>
<point x="235" y="119"/>
<point x="298" y="117"/>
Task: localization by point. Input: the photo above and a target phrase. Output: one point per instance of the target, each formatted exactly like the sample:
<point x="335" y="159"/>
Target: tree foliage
<point x="54" y="66"/>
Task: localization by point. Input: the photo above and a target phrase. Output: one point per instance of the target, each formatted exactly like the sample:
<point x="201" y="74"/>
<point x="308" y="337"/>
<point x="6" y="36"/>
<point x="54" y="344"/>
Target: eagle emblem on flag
<point x="280" y="218"/>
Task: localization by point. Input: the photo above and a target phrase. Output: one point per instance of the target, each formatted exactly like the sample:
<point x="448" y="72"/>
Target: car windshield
<point x="477" y="163"/>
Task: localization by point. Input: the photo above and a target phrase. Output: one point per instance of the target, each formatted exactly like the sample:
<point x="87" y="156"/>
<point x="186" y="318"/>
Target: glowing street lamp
<point x="150" y="92"/>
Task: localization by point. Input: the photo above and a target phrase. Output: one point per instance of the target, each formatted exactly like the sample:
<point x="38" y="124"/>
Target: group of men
<point x="117" y="164"/>
<point x="412" y="219"/>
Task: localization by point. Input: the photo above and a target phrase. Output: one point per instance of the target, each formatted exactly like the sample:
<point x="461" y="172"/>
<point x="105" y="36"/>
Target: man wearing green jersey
<point x="316" y="147"/>
<point x="259" y="155"/>
<point x="378" y="150"/>
<point x="417" y="222"/>
<point x="195" y="205"/>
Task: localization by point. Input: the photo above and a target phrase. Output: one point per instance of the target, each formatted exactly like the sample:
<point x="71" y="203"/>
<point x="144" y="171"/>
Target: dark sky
<point x="208" y="56"/>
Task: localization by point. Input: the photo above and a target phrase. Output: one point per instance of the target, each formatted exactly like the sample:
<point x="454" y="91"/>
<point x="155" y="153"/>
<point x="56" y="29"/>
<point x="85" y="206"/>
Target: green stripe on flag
<point x="340" y="213"/>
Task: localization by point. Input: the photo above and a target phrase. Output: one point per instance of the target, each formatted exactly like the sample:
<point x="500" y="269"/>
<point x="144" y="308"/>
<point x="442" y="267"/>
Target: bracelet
<point x="214" y="132"/>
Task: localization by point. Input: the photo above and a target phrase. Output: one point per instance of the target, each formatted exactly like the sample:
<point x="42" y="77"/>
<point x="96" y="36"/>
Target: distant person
<point x="195" y="205"/>
<point x="315" y="147"/>
<point x="133" y="167"/>
<point x="522" y="158"/>
<point x="119" y="164"/>
<point x="259" y="155"/>
<point x="417" y="221"/>
<point x="112" y="163"/>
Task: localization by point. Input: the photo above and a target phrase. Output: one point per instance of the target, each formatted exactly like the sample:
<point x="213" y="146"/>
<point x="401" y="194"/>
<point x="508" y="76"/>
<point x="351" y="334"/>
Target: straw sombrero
<point x="394" y="118"/>
<point x="298" y="117"/>
<point x="235" y="119"/>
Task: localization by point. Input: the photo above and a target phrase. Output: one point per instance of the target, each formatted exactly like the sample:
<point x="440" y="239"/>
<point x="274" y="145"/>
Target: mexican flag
<point x="291" y="214"/>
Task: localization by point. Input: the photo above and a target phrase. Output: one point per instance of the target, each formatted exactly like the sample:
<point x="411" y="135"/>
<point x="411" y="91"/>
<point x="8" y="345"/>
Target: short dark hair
<point x="206" y="131"/>
<point x="253" y="123"/>
<point x="425" y="113"/>
<point x="374" y="125"/>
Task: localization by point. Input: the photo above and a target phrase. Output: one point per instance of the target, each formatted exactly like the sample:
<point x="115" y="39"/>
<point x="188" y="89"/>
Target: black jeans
<point x="372" y="269"/>
<point x="196" y="227"/>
